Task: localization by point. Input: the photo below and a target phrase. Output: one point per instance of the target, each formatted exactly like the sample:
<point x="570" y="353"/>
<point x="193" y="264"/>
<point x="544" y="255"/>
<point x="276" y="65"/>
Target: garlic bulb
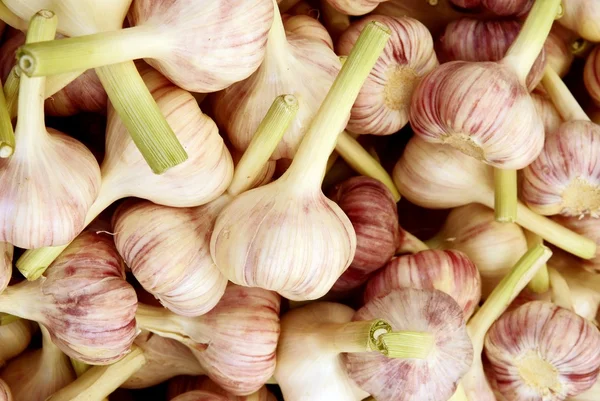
<point x="183" y="384"/>
<point x="463" y="104"/>
<point x="296" y="64"/>
<point x="450" y="271"/>
<point x="584" y="288"/>
<point x="55" y="179"/>
<point x="582" y="16"/>
<point x="383" y="102"/>
<point x="306" y="26"/>
<point x="436" y="176"/>
<point x="15" y="338"/>
<point x="165" y="358"/>
<point x="235" y="342"/>
<point x="287" y="236"/>
<point x="5" y="393"/>
<point x="355" y="7"/>
<point x="199" y="180"/>
<point x="588" y="227"/>
<point x="591" y="74"/>
<point x="559" y="50"/>
<point x="84" y="301"/>
<point x="167" y="250"/>
<point x="37" y="374"/>
<point x="508" y="7"/>
<point x="470" y="39"/>
<point x="374" y="216"/>
<point x="541" y="351"/>
<point x="432" y="378"/>
<point x="547" y="111"/>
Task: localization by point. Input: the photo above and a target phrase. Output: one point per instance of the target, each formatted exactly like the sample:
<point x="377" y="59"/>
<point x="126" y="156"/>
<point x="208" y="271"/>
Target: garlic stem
<point x="505" y="195"/>
<point x="362" y="162"/>
<point x="529" y="43"/>
<point x="268" y="134"/>
<point x="100" y="381"/>
<point x="159" y="321"/>
<point x="11" y="18"/>
<point x="561" y="96"/>
<point x="540" y="283"/>
<point x="7" y="135"/>
<point x="11" y="91"/>
<point x="561" y="294"/>
<point x="359" y="336"/>
<point x="406" y="344"/>
<point x="308" y="167"/>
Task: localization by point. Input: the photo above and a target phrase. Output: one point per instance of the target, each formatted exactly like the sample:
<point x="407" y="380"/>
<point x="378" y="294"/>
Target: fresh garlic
<point x="296" y="64"/>
<point x="374" y="216"/>
<point x="287" y="236"/>
<point x="5" y="392"/>
<point x="430" y="379"/>
<point x="590" y="395"/>
<point x="6" y="265"/>
<point x="449" y="271"/>
<point x="508" y="7"/>
<point x="84" y="301"/>
<point x="37" y="374"/>
<point x="559" y="49"/>
<point x="355" y="7"/>
<point x="165" y="358"/>
<point x="15" y="338"/>
<point x="235" y="342"/>
<point x="493" y="247"/>
<point x="470" y="39"/>
<point x="306" y="26"/>
<point x="167" y="250"/>
<point x="591" y="74"/>
<point x="183" y="384"/>
<point x="541" y="351"/>
<point x="582" y="16"/>
<point x="383" y="102"/>
<point x="437" y="176"/>
<point x="588" y="227"/>
<point x="199" y="180"/>
<point x="547" y="111"/>
<point x="55" y="179"/>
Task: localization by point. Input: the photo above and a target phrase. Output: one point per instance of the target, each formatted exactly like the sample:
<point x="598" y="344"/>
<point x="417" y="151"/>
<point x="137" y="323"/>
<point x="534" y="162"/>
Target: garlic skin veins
<point x="15" y="338"/>
<point x="167" y="250"/>
<point x="183" y="384"/>
<point x="564" y="178"/>
<point x="306" y="26"/>
<point x="37" y="374"/>
<point x="295" y="63"/>
<point x="451" y="272"/>
<point x="432" y="379"/>
<point x="383" y="103"/>
<point x="309" y="366"/>
<point x="541" y="351"/>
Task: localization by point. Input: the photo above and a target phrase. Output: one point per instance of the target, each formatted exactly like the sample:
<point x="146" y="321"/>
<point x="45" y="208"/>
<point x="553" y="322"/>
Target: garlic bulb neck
<point x="276" y="39"/>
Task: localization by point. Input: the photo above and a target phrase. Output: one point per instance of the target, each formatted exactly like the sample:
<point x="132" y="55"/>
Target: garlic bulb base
<point x="465" y="144"/>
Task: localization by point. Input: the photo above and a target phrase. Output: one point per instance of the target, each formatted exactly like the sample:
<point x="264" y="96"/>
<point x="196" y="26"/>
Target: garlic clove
<point x="451" y="272"/>
<point x="582" y="16"/>
<point x="308" y="27"/>
<point x="591" y="77"/>
<point x="374" y="216"/>
<point x="183" y="384"/>
<point x="15" y="338"/>
<point x="167" y="250"/>
<point x="433" y="378"/>
<point x="542" y="351"/>
<point x="383" y="103"/>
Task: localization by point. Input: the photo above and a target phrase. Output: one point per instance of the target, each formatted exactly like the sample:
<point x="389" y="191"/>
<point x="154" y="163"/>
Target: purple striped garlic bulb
<point x="383" y="103"/>
<point x="355" y="7"/>
<point x="183" y="384"/>
<point x="591" y="74"/>
<point x="84" y="301"/>
<point x="235" y="342"/>
<point x="471" y="39"/>
<point x="432" y="379"/>
<point x="541" y="351"/>
<point x="449" y="271"/>
<point x="167" y="250"/>
<point x="373" y="213"/>
<point x="583" y="17"/>
<point x="297" y="63"/>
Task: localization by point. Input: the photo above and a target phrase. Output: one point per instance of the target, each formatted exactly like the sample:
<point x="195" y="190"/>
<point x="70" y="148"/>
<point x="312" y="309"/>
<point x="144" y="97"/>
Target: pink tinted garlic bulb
<point x="15" y="338"/>
<point x="493" y="247"/>
<point x="470" y="39"/>
<point x="542" y="351"/>
<point x="183" y="384"/>
<point x="583" y="287"/>
<point x="295" y="63"/>
<point x="588" y="227"/>
<point x="235" y="342"/>
<point x="591" y="74"/>
<point x="199" y="180"/>
<point x="383" y="102"/>
<point x="559" y="48"/>
<point x="547" y="111"/>
<point x="449" y="271"/>
<point x="84" y="301"/>
<point x="37" y="374"/>
<point x="373" y="213"/>
<point x="355" y="7"/>
<point x="167" y="250"/>
<point x="306" y="26"/>
<point x="582" y="16"/>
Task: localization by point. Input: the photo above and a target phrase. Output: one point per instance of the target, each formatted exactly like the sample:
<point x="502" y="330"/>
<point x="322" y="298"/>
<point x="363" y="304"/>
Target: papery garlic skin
<point x="540" y="351"/>
<point x="470" y="39"/>
<point x="165" y="358"/>
<point x="383" y="102"/>
<point x="167" y="250"/>
<point x="565" y="178"/>
<point x="15" y="338"/>
<point x="559" y="53"/>
<point x="234" y="46"/>
<point x="472" y="107"/>
<point x="508" y="7"/>
<point x="591" y="74"/>
<point x="589" y="227"/>
<point x="300" y="65"/>
<point x="584" y="287"/>
<point x="355" y="7"/>
<point x="449" y="271"/>
<point x="308" y="27"/>
<point x="307" y="230"/>
<point x="547" y="111"/>
<point x="582" y="16"/>
<point x="5" y="392"/>
<point x="182" y="384"/>
<point x="431" y="379"/>
<point x="307" y="367"/>
<point x="373" y="213"/>
<point x="6" y="265"/>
